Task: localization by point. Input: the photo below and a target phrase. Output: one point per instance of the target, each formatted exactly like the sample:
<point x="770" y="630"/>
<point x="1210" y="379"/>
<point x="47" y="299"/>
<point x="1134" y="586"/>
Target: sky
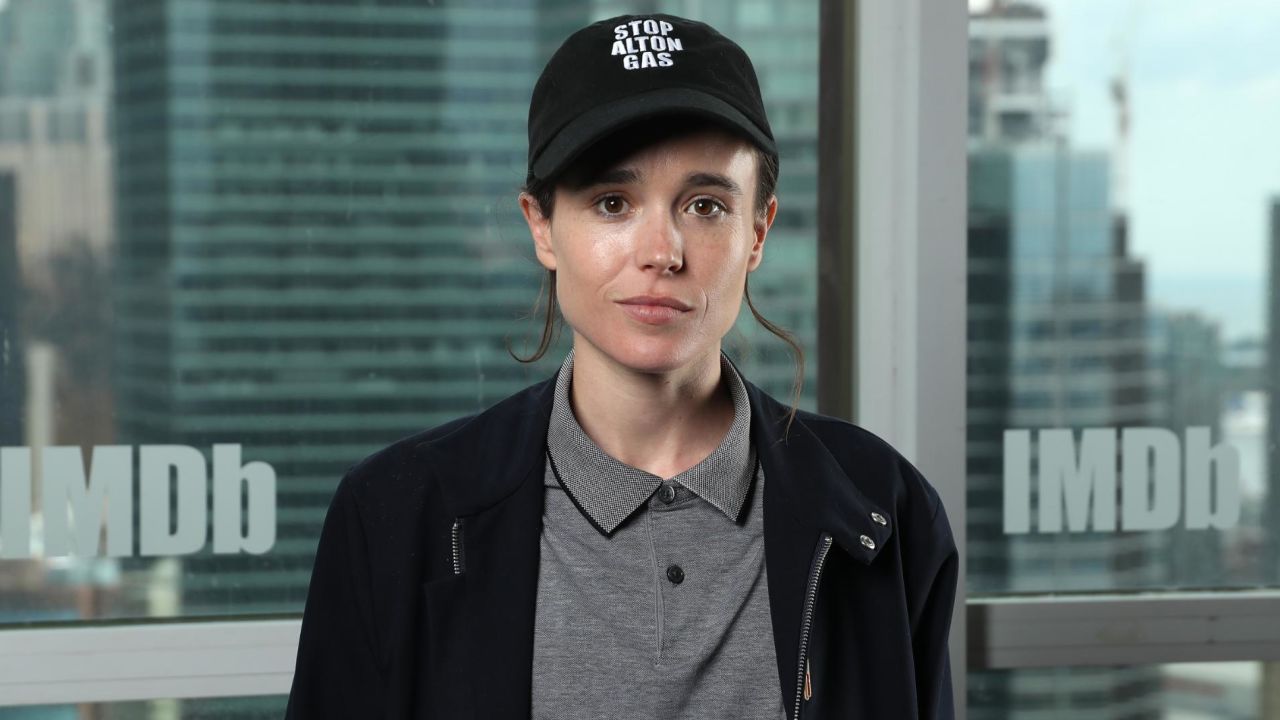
<point x="1204" y="153"/>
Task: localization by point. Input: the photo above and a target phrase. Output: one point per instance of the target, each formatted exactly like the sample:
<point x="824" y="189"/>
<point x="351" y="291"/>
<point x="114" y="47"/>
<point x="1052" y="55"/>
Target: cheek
<point x="727" y="272"/>
<point x="727" y="300"/>
<point x="588" y="256"/>
<point x="586" y="262"/>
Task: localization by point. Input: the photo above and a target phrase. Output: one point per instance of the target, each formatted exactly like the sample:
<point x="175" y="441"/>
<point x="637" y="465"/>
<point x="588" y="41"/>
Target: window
<point x="1132" y="452"/>
<point x="294" y="241"/>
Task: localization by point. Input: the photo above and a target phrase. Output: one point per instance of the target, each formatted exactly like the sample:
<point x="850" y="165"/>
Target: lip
<point x="659" y="300"/>
<point x="654" y="309"/>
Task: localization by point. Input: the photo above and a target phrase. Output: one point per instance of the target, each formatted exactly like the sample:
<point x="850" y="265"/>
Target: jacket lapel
<point x="811" y="485"/>
<point x="480" y="623"/>
<point x="806" y="493"/>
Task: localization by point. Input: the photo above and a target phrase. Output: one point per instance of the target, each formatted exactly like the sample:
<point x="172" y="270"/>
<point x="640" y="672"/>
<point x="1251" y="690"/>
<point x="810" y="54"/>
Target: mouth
<point x="657" y="301"/>
<point x="654" y="310"/>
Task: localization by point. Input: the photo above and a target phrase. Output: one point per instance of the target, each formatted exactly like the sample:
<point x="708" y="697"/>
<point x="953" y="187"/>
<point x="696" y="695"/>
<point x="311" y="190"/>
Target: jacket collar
<point x="494" y="451"/>
<point x="817" y="490"/>
<point x="503" y="447"/>
<point x="607" y="491"/>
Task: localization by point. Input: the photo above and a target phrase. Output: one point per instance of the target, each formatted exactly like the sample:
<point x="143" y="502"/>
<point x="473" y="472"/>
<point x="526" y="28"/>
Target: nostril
<point x="665" y="261"/>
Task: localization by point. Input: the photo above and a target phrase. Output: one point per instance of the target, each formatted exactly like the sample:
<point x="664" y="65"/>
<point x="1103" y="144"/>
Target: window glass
<point x="1124" y="212"/>
<point x="1181" y="691"/>
<point x="246" y="708"/>
<point x="245" y="243"/>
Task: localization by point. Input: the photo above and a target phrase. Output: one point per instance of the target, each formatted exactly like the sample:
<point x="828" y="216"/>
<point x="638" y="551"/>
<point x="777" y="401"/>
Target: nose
<point x="659" y="245"/>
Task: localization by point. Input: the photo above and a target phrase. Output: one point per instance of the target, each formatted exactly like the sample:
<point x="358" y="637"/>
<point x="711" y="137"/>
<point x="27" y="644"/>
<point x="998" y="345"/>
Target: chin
<point x="646" y="354"/>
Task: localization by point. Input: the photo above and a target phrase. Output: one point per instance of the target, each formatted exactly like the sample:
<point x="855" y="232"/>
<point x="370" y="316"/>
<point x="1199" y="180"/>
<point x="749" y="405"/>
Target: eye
<point x="706" y="207"/>
<point x="611" y="205"/>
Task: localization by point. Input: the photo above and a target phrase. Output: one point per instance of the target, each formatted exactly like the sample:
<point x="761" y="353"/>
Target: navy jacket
<point x="422" y="598"/>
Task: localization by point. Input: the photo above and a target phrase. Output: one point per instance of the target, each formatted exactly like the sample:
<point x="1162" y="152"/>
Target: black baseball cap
<point x="621" y="71"/>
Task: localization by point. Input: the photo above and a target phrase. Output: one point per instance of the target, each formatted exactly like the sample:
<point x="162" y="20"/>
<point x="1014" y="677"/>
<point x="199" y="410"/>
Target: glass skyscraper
<point x="318" y="247"/>
<point x="12" y="373"/>
<point x="1057" y="339"/>
<point x="319" y="244"/>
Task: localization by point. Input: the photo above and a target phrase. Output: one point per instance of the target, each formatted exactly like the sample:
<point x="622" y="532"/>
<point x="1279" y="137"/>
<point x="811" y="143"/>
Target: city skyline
<point x="1194" y="74"/>
<point x="319" y="263"/>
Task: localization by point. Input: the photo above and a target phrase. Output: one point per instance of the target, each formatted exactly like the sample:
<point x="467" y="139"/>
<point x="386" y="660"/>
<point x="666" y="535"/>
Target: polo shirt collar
<point x="607" y="491"/>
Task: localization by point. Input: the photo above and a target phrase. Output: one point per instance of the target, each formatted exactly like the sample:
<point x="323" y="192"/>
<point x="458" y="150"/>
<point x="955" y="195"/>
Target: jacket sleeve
<point x="337" y="674"/>
<point x="931" y="591"/>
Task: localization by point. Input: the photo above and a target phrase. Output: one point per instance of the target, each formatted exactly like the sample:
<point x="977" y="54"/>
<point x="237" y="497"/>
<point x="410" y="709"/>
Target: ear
<point x="760" y="229"/>
<point x="540" y="229"/>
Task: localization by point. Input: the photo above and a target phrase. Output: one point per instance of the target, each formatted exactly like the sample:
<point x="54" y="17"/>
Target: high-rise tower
<point x="319" y="248"/>
<point x="319" y="244"/>
<point x="1057" y="339"/>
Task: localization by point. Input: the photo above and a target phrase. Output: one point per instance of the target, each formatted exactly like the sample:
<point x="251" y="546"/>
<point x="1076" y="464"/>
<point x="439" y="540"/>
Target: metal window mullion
<point x="58" y="666"/>
<point x="910" y="249"/>
<point x="1143" y="629"/>
<point x="837" y="256"/>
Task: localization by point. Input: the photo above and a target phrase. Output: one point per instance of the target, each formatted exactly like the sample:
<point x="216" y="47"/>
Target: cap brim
<point x="586" y="129"/>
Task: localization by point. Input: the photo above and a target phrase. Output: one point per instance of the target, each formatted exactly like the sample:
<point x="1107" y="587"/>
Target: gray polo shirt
<point x="652" y="596"/>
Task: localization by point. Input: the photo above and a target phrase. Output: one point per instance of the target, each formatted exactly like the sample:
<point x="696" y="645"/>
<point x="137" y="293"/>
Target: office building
<point x="13" y="376"/>
<point x="1057" y="339"/>
<point x="319" y="244"/>
<point x="54" y="80"/>
<point x="319" y="250"/>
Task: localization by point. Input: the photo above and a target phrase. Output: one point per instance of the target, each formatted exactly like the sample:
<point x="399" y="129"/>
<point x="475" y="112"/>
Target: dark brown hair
<point x="543" y="193"/>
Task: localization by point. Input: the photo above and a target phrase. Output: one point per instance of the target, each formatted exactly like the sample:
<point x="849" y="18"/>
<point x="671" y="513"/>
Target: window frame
<point x="910" y="256"/>
<point x="902" y="98"/>
<point x="147" y="661"/>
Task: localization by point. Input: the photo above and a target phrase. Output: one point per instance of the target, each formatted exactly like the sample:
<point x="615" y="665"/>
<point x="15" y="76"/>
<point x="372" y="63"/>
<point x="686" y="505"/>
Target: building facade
<point x="320" y="249"/>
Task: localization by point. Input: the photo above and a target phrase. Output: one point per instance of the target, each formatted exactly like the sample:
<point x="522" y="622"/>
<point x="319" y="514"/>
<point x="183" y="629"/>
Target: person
<point x="645" y="534"/>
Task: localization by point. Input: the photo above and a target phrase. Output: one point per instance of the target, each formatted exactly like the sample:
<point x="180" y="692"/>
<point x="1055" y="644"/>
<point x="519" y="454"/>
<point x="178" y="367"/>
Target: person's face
<point x="674" y="220"/>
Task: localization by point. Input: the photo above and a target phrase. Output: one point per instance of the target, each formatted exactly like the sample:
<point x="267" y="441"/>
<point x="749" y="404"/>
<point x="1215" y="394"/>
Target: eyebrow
<point x="630" y="176"/>
<point x="702" y="179"/>
<point x="616" y="176"/>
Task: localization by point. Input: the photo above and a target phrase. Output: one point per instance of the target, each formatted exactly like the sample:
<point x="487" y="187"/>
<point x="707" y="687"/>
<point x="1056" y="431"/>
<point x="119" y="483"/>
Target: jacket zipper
<point x="458" y="556"/>
<point x="806" y="623"/>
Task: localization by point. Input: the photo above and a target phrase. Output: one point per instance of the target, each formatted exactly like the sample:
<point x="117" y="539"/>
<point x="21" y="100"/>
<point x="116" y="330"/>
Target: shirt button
<point x="868" y="543"/>
<point x="667" y="494"/>
<point x="675" y="574"/>
<point x="877" y="517"/>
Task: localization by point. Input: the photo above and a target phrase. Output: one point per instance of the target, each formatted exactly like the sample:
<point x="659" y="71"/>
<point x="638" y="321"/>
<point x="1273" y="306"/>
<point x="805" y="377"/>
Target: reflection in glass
<point x="1182" y="691"/>
<point x="1088" y="314"/>
<point x="245" y="708"/>
<point x="1075" y="325"/>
